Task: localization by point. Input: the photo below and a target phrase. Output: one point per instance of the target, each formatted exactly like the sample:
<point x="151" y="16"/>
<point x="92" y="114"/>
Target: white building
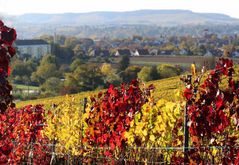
<point x="35" y="48"/>
<point x="141" y="52"/>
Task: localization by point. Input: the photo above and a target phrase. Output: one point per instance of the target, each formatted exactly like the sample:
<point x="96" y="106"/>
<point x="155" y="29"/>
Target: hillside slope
<point x="165" y="88"/>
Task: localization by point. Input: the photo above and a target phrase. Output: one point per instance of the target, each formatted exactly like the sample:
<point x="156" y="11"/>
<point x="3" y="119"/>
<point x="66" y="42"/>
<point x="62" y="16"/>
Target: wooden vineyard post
<point x="186" y="132"/>
<point x="85" y="103"/>
<point x="53" y="156"/>
<point x="186" y="135"/>
<point x="31" y="153"/>
<point x="82" y="124"/>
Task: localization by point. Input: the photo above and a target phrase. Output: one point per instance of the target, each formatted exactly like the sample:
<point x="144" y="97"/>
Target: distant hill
<point x="145" y="17"/>
<point x="122" y="24"/>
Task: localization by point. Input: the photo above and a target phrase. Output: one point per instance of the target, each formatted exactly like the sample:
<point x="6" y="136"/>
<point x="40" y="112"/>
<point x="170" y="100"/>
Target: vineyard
<point x="165" y="88"/>
<point x="135" y="123"/>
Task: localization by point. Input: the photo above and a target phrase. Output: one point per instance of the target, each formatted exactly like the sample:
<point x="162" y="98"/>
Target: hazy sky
<point x="230" y="7"/>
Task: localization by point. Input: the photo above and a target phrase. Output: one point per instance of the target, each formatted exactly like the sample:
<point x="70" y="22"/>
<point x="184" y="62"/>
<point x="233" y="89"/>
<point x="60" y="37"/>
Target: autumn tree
<point x="78" y="52"/>
<point x="109" y="75"/>
<point x="75" y="64"/>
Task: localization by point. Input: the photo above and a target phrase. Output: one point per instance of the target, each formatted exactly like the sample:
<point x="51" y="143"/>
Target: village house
<point x="141" y="52"/>
<point x="165" y="52"/>
<point x="35" y="48"/>
<point x="214" y="52"/>
<point x="100" y="53"/>
<point x="183" y="52"/>
<point x="122" y="52"/>
<point x="154" y="52"/>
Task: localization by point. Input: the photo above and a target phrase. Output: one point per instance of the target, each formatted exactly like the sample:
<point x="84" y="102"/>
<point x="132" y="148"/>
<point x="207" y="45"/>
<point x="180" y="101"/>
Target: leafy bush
<point x="166" y="70"/>
<point x="147" y="74"/>
<point x="109" y="115"/>
<point x="130" y="73"/>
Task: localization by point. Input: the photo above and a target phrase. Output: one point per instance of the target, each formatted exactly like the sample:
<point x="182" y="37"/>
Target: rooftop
<point x="31" y="42"/>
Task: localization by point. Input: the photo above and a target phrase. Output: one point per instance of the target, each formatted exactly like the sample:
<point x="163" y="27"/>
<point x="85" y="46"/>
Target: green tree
<point x="154" y="73"/>
<point x="51" y="87"/>
<point x="75" y="64"/>
<point x="184" y="45"/>
<point x="19" y="68"/>
<point x="46" y="69"/>
<point x="169" y="46"/>
<point x="62" y="54"/>
<point x="167" y="70"/>
<point x="78" y="52"/>
<point x="71" y="42"/>
<point x="71" y="84"/>
<point x="145" y="74"/>
<point x="130" y="73"/>
<point x="109" y="74"/>
<point x="85" y="77"/>
<point x="22" y="69"/>
<point x="124" y="62"/>
<point x="64" y="68"/>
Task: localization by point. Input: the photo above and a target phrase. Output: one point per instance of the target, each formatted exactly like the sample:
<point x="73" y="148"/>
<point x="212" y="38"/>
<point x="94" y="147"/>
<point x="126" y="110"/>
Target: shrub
<point x="167" y="70"/>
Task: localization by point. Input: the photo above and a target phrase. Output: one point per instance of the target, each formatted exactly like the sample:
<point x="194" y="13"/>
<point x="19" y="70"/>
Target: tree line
<point x="80" y="74"/>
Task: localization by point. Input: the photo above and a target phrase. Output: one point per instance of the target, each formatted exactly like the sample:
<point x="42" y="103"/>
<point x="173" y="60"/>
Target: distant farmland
<point x="184" y="61"/>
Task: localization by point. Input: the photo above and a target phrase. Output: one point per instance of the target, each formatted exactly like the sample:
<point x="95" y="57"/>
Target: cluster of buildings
<point x="37" y="48"/>
<point x="119" y="52"/>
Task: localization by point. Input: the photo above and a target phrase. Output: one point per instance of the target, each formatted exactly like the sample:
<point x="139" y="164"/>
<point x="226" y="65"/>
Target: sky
<point x="16" y="7"/>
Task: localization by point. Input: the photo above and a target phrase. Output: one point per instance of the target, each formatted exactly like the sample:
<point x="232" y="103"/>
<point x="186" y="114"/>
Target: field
<point x="25" y="87"/>
<point x="184" y="61"/>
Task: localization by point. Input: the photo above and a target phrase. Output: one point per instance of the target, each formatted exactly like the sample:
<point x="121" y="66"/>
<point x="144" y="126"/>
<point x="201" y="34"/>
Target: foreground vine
<point x="213" y="115"/>
<point x="7" y="37"/>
